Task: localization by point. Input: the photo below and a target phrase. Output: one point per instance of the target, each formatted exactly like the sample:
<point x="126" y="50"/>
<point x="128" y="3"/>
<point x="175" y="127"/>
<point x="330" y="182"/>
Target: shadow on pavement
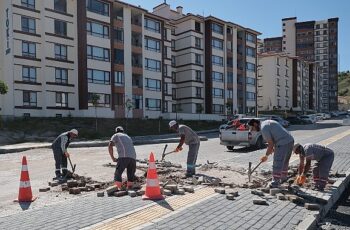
<point x="245" y="150"/>
<point x="165" y="204"/>
<point x="25" y="205"/>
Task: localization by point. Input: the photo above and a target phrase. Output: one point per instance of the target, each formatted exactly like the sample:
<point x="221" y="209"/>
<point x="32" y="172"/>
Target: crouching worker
<point x="59" y="148"/>
<point x="324" y="157"/>
<point x="126" y="157"/>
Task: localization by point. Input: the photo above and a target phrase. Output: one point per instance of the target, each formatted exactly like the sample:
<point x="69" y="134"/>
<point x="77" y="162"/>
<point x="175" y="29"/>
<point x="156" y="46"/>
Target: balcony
<point x="136" y="62"/>
<point x="136" y="22"/>
<point x="136" y="42"/>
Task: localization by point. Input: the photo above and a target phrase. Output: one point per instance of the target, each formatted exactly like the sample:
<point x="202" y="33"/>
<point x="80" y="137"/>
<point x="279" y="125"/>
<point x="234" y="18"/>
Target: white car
<point x="308" y="118"/>
<point x="320" y="116"/>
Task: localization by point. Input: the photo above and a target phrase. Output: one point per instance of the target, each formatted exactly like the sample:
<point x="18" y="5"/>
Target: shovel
<point x="73" y="169"/>
<point x="250" y="171"/>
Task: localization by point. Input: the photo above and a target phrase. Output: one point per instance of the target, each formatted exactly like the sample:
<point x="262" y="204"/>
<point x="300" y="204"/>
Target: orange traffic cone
<point x="152" y="183"/>
<point x="25" y="190"/>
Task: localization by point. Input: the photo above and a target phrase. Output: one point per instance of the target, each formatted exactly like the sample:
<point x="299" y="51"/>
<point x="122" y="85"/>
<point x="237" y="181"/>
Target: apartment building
<point x="114" y="59"/>
<point x="316" y="41"/>
<point x="273" y="44"/>
<point x="214" y="63"/>
<point x="286" y="82"/>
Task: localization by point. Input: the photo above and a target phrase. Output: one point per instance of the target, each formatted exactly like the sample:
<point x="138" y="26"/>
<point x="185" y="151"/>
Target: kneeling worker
<point x="126" y="157"/>
<point x="189" y="137"/>
<point x="324" y="157"/>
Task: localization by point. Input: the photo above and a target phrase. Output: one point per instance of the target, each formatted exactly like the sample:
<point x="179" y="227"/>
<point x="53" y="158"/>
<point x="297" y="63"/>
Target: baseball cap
<point x="172" y="123"/>
<point x="74" y="131"/>
<point x="119" y="129"/>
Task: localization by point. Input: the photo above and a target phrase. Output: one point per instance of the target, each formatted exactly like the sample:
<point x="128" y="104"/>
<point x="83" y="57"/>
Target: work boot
<point x="274" y="184"/>
<point x="189" y="175"/>
<point x="58" y="175"/>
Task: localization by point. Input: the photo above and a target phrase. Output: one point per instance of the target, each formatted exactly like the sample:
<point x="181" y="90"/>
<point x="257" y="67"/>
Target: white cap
<point x="172" y="123"/>
<point x="74" y="131"/>
<point x="119" y="128"/>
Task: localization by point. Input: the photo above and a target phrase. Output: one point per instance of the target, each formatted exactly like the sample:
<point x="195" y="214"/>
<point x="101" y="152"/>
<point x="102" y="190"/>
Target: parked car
<point x="320" y="116"/>
<point x="308" y="118"/>
<point x="327" y="115"/>
<point x="297" y="121"/>
<point x="280" y="120"/>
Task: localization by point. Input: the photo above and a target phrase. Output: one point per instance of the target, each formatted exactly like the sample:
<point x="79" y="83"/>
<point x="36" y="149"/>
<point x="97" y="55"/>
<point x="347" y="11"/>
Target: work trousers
<point x="125" y="163"/>
<point x="60" y="162"/>
<point x="281" y="161"/>
<point x="322" y="168"/>
<point x="192" y="158"/>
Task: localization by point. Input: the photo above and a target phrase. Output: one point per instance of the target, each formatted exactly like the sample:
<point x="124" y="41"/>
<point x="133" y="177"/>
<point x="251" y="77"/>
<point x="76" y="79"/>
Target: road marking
<point x="161" y="209"/>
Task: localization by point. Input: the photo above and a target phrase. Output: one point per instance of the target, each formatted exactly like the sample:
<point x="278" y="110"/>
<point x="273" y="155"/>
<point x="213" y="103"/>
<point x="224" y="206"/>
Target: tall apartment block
<point x="56" y="56"/>
<point x="315" y="41"/>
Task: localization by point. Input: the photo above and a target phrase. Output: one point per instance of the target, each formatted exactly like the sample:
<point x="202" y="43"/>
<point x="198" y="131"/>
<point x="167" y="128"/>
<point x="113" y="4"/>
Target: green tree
<point x="3" y="88"/>
<point x="94" y="100"/>
<point x="129" y="105"/>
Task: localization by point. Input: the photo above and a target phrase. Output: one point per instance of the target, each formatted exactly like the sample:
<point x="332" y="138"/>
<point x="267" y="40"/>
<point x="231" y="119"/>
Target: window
<point x="29" y="73"/>
<point x="165" y="34"/>
<point x="229" y="61"/>
<point x="137" y="101"/>
<point x="278" y="71"/>
<point x="97" y="53"/>
<point x="216" y="60"/>
<point x="29" y="98"/>
<point x="278" y="82"/>
<point x="286" y="73"/>
<point x="287" y="84"/>
<point x="199" y="92"/>
<point x="286" y="62"/>
<point x="152" y="84"/>
<point x="97" y="7"/>
<point x="60" y="27"/>
<point x="28" y="49"/>
<point x="152" y="65"/>
<point x="28" y="3"/>
<point x="198" y="42"/>
<point x="250" y="96"/>
<point x="172" y="44"/>
<point x="217" y="44"/>
<point x="197" y="26"/>
<point x="61" y="75"/>
<point x="250" y="81"/>
<point x="278" y="92"/>
<point x="98" y="76"/>
<point x="229" y="30"/>
<point x="152" y="44"/>
<point x="250" y="38"/>
<point x="217" y="28"/>
<point x="97" y="30"/>
<point x="153" y="104"/>
<point x="218" y="108"/>
<point x="287" y="103"/>
<point x="278" y="102"/>
<point x="119" y="99"/>
<point x="278" y="61"/>
<point x="216" y="76"/>
<point x="199" y="108"/>
<point x="251" y="52"/>
<point x="229" y="45"/>
<point x="119" y="34"/>
<point x="198" y="75"/>
<point x="219" y="93"/>
<point x="119" y="78"/>
<point x="60" y="5"/>
<point x="119" y="13"/>
<point x="152" y="25"/>
<point x="61" y="51"/>
<point x="165" y="70"/>
<point x="165" y="51"/>
<point x="28" y="25"/>
<point x="165" y="106"/>
<point x="286" y="92"/>
<point x="118" y="56"/>
<point x="166" y="88"/>
<point x="61" y="99"/>
<point x="250" y="67"/>
<point x="173" y="61"/>
<point x="198" y="59"/>
<point x="105" y="100"/>
<point x="229" y="77"/>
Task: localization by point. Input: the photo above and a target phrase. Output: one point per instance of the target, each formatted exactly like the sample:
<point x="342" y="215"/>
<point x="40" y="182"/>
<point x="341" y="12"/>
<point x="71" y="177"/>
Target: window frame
<point x="156" y="69"/>
<point x="149" y="84"/>
<point x="215" y="78"/>
<point x="28" y="28"/>
<point x="61" y="55"/>
<point x="25" y="3"/>
<point x="104" y="12"/>
<point x="157" y="43"/>
<point x="29" y="78"/>
<point x="92" y="78"/>
<point x="29" y="102"/>
<point x="60" y="27"/>
<point x="90" y="31"/>
<point x="119" y="78"/>
<point x="29" y="46"/>
<point x="58" y="7"/>
<point x="213" y="60"/>
<point x="157" y="26"/>
<point x="59" y="76"/>
<point x="60" y="102"/>
<point x="105" y="57"/>
<point x="215" y="41"/>
<point x="218" y="95"/>
<point x="156" y="107"/>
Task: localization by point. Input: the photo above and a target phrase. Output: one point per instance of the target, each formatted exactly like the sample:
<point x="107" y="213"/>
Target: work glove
<point x="263" y="158"/>
<point x="178" y="149"/>
<point x="66" y="154"/>
<point x="301" y="180"/>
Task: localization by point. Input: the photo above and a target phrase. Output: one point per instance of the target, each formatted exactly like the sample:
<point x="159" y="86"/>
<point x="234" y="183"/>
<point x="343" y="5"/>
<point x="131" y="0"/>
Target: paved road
<point x="49" y="207"/>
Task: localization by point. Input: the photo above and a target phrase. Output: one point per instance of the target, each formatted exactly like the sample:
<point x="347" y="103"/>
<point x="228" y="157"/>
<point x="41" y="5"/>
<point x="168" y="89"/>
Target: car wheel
<point x="259" y="143"/>
<point x="230" y="147"/>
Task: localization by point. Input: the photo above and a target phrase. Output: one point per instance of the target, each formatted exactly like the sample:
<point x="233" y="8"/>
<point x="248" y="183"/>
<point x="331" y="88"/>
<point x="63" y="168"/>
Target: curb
<point x="311" y="220"/>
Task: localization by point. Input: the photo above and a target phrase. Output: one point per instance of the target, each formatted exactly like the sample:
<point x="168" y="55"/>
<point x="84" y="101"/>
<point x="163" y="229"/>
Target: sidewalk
<point x="138" y="140"/>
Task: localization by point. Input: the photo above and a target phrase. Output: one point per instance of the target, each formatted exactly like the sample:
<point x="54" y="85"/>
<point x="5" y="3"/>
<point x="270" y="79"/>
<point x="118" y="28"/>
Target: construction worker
<point x="126" y="157"/>
<point x="324" y="157"/>
<point x="189" y="137"/>
<point x="59" y="148"/>
<point x="279" y="141"/>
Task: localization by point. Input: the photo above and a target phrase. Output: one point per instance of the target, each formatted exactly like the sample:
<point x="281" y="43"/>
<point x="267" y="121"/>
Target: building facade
<point x="82" y="57"/>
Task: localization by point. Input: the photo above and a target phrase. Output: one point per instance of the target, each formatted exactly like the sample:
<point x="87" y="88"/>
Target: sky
<point x="265" y="15"/>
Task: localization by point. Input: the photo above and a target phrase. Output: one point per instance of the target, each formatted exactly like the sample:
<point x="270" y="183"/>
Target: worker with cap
<point x="278" y="141"/>
<point x="324" y="157"/>
<point x="126" y="157"/>
<point x="59" y="148"/>
<point x="189" y="137"/>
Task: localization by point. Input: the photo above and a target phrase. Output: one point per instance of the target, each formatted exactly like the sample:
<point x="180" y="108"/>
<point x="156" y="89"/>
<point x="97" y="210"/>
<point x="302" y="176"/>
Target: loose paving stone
<point x="90" y="188"/>
<point x="120" y="193"/>
<point x="96" y="185"/>
<point x="83" y="189"/>
<point x="230" y="197"/>
<point x="265" y="190"/>
<point x="74" y="191"/>
<point x="260" y="202"/>
<point x="81" y="183"/>
<point x="220" y="190"/>
<point x="195" y="181"/>
<point x="200" y="179"/>
<point x="64" y="187"/>
<point x="72" y="183"/>
<point x="166" y="192"/>
<point x="100" y="194"/>
<point x="172" y="187"/>
<point x="53" y="184"/>
<point x="140" y="192"/>
<point x="132" y="193"/>
<point x="274" y="191"/>
<point x="313" y="207"/>
<point x="46" y="189"/>
<point x="189" y="189"/>
<point x="111" y="190"/>
<point x="258" y="193"/>
<point x="180" y="191"/>
<point x="280" y="196"/>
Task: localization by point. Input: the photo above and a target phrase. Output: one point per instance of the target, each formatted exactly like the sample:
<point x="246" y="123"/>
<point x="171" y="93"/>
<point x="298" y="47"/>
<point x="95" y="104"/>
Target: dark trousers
<point x="125" y="163"/>
<point x="60" y="162"/>
<point x="192" y="158"/>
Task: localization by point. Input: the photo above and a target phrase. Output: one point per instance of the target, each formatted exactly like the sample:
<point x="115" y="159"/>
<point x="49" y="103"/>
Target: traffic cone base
<point x="152" y="183"/>
<point x="25" y="190"/>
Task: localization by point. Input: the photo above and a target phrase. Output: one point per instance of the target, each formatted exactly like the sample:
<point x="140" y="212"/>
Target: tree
<point x="94" y="99"/>
<point x="129" y="105"/>
<point x="3" y="88"/>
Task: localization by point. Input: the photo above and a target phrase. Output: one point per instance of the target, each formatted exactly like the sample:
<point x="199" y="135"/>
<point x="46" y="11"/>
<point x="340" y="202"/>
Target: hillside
<point x="344" y="84"/>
